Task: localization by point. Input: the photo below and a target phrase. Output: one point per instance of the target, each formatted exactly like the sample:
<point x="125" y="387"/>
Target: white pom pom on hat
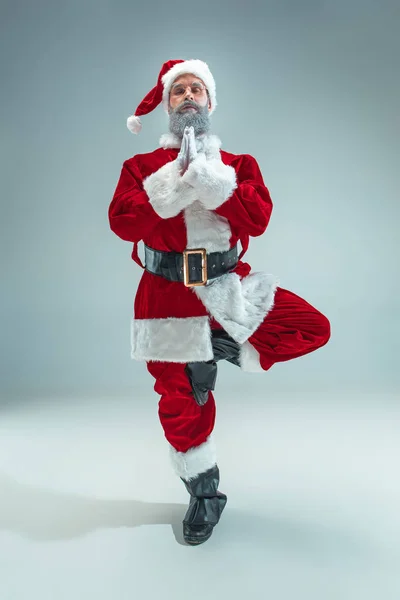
<point x="134" y="124"/>
<point x="160" y="93"/>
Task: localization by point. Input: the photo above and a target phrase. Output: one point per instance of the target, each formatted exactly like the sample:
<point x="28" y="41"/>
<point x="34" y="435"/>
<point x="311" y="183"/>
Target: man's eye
<point x="179" y="91"/>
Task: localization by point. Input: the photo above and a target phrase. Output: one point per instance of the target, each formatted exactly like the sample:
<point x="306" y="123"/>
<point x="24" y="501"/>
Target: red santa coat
<point x="220" y="200"/>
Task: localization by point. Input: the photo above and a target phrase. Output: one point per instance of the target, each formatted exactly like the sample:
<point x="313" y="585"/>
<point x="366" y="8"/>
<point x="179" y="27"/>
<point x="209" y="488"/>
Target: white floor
<point x="90" y="506"/>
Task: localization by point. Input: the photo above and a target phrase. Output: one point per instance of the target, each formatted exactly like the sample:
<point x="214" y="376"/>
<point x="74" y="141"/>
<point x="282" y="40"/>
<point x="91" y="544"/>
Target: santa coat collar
<point x="210" y="144"/>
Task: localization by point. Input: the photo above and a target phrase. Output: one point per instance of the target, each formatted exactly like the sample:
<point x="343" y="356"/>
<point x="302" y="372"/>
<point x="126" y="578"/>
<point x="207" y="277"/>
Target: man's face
<point x="188" y="89"/>
<point x="189" y="105"/>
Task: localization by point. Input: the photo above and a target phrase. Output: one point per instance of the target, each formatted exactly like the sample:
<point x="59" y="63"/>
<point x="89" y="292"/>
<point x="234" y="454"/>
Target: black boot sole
<point x="196" y="540"/>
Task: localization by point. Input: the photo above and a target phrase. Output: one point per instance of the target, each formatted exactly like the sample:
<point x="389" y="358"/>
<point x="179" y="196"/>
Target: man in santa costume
<point x="197" y="302"/>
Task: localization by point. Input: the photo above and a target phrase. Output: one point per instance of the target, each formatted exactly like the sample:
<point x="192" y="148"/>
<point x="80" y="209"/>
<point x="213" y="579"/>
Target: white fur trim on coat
<point x="196" y="460"/>
<point x="239" y="305"/>
<point x="214" y="181"/>
<point x="198" y="68"/>
<point x="210" y="144"/>
<point x="206" y="229"/>
<point x="249" y="358"/>
<point x="172" y="339"/>
<point x="168" y="193"/>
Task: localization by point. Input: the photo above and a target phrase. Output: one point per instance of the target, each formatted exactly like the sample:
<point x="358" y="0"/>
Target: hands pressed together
<point x="193" y="176"/>
<point x="188" y="151"/>
<point x="212" y="180"/>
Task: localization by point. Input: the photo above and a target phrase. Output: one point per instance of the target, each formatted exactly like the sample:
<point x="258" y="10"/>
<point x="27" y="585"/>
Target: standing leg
<point x="186" y="424"/>
<point x="188" y="427"/>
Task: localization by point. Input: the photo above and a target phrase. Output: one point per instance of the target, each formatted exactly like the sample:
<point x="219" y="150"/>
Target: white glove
<point x="188" y="151"/>
<point x="182" y="158"/>
<point x="191" y="140"/>
<point x="167" y="190"/>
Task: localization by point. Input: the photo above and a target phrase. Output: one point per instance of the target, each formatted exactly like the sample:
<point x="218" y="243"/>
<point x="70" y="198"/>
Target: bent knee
<point x="324" y="328"/>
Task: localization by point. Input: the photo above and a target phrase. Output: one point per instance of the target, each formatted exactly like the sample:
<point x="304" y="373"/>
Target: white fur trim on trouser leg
<point x="196" y="460"/>
<point x="249" y="358"/>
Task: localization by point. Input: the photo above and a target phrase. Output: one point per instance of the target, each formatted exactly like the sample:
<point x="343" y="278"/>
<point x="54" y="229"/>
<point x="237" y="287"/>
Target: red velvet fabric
<point x="291" y="329"/>
<point x="132" y="218"/>
<point x="154" y="97"/>
<point x="185" y="423"/>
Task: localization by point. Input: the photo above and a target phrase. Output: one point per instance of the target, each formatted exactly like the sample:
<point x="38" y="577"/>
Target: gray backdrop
<point x="311" y="89"/>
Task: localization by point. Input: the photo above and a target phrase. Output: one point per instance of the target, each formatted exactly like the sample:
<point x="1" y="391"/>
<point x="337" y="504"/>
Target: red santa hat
<point x="160" y="93"/>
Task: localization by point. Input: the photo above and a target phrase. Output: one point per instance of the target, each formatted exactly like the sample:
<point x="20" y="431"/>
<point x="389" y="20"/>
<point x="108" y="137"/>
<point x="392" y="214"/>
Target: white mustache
<point x="187" y="105"/>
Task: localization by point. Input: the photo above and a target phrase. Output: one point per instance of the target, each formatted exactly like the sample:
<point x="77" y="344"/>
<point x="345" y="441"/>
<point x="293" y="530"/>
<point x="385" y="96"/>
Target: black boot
<point x="203" y="374"/>
<point x="205" y="506"/>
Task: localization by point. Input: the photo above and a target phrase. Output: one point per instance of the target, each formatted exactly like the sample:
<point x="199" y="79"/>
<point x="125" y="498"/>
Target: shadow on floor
<point x="45" y="515"/>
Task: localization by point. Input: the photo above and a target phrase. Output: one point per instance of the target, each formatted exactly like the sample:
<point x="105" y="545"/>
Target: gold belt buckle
<point x="203" y="253"/>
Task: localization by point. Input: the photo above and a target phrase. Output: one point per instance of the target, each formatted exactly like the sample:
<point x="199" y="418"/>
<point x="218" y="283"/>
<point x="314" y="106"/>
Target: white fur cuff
<point x="214" y="181"/>
<point x="167" y="192"/>
<point x="249" y="358"/>
<point x="195" y="461"/>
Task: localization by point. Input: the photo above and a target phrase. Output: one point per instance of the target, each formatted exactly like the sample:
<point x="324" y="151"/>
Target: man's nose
<point x="189" y="94"/>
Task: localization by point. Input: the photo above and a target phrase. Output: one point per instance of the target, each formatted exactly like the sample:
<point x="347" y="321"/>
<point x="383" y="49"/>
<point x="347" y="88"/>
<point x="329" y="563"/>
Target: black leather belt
<point x="192" y="267"/>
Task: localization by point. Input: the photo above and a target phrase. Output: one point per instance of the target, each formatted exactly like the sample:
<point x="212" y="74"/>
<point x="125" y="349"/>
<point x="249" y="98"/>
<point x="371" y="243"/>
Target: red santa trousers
<point x="290" y="329"/>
